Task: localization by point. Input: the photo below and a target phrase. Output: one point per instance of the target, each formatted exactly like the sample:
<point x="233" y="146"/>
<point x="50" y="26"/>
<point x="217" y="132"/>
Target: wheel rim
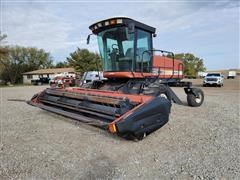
<point x="199" y="99"/>
<point x="163" y="95"/>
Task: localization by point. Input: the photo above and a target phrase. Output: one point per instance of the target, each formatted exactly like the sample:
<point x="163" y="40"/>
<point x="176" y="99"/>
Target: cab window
<point x="143" y="58"/>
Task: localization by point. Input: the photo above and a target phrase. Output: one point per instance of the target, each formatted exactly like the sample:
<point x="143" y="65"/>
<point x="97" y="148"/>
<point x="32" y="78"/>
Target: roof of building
<point x="50" y="71"/>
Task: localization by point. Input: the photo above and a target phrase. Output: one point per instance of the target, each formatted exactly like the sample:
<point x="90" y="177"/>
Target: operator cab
<point x="123" y="43"/>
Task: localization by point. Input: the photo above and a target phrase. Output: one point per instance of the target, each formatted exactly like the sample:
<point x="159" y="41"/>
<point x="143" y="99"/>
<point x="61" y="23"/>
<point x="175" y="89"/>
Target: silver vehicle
<point x="90" y="76"/>
<point x="215" y="78"/>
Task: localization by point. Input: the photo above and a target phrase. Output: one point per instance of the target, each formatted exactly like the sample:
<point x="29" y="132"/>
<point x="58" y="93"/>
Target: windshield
<point x="116" y="48"/>
<point x="213" y="74"/>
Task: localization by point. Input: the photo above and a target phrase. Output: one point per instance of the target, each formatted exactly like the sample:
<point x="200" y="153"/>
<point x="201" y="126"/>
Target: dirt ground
<point x="197" y="143"/>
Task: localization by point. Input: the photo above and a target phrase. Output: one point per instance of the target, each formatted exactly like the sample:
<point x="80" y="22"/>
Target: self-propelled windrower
<point x="135" y="100"/>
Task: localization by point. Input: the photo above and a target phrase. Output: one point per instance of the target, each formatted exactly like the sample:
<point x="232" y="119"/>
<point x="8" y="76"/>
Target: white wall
<point x="28" y="81"/>
<point x="51" y="76"/>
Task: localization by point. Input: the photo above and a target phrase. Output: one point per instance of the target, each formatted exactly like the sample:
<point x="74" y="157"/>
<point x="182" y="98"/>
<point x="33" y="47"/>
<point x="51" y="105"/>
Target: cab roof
<point x="119" y="21"/>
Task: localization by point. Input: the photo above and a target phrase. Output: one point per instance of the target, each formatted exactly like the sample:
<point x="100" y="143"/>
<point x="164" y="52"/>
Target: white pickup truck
<point x="214" y="78"/>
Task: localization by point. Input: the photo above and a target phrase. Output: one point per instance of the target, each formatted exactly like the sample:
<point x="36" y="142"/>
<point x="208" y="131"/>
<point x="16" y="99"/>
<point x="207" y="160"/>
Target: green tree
<point x="3" y="53"/>
<point x="83" y="60"/>
<point x="192" y="64"/>
<point x="3" y="50"/>
<point x="2" y="36"/>
<point x="61" y="65"/>
<point x="21" y="59"/>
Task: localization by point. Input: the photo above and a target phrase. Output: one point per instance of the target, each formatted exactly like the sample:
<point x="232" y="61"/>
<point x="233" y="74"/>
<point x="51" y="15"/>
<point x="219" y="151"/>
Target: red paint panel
<point x="113" y="94"/>
<point x="167" y="63"/>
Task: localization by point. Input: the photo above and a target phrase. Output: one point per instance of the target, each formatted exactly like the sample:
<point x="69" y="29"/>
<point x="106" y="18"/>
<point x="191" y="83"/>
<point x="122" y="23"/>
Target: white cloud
<point x="182" y="26"/>
<point x="34" y="26"/>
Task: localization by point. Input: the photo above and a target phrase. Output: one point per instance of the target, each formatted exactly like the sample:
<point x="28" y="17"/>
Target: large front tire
<point x="195" y="100"/>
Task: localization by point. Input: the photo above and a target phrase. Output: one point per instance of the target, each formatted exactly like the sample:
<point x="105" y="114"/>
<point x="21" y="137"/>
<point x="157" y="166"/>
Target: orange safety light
<point x="113" y="21"/>
<point x="112" y="128"/>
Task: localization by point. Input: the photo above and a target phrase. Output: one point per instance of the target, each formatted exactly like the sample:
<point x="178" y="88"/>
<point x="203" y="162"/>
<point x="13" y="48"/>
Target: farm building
<point x="50" y="73"/>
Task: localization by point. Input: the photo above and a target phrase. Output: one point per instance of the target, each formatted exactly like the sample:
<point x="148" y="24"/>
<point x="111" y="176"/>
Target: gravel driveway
<point x="197" y="143"/>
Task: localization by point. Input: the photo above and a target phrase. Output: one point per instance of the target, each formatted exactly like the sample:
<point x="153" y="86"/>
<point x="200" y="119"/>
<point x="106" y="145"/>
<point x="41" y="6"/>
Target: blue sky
<point x="208" y="29"/>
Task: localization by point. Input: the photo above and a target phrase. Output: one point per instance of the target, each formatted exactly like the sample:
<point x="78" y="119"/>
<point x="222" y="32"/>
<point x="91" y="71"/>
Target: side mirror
<point x="88" y="38"/>
<point x="154" y="35"/>
<point x="131" y="28"/>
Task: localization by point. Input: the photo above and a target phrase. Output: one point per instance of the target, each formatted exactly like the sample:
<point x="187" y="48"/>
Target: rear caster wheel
<point x="196" y="99"/>
<point x="166" y="96"/>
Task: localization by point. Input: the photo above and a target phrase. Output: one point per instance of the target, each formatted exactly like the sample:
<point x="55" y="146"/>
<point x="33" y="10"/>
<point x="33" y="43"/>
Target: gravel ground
<point x="197" y="143"/>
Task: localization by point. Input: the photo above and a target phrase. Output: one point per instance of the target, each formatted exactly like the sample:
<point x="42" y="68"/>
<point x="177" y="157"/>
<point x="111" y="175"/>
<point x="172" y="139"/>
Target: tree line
<point x="191" y="64"/>
<point x="16" y="60"/>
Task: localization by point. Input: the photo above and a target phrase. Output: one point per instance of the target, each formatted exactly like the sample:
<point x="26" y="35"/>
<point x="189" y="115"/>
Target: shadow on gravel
<point x="93" y="129"/>
<point x="100" y="167"/>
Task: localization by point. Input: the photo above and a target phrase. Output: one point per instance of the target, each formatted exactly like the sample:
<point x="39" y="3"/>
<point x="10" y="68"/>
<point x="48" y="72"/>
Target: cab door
<point x="143" y="58"/>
